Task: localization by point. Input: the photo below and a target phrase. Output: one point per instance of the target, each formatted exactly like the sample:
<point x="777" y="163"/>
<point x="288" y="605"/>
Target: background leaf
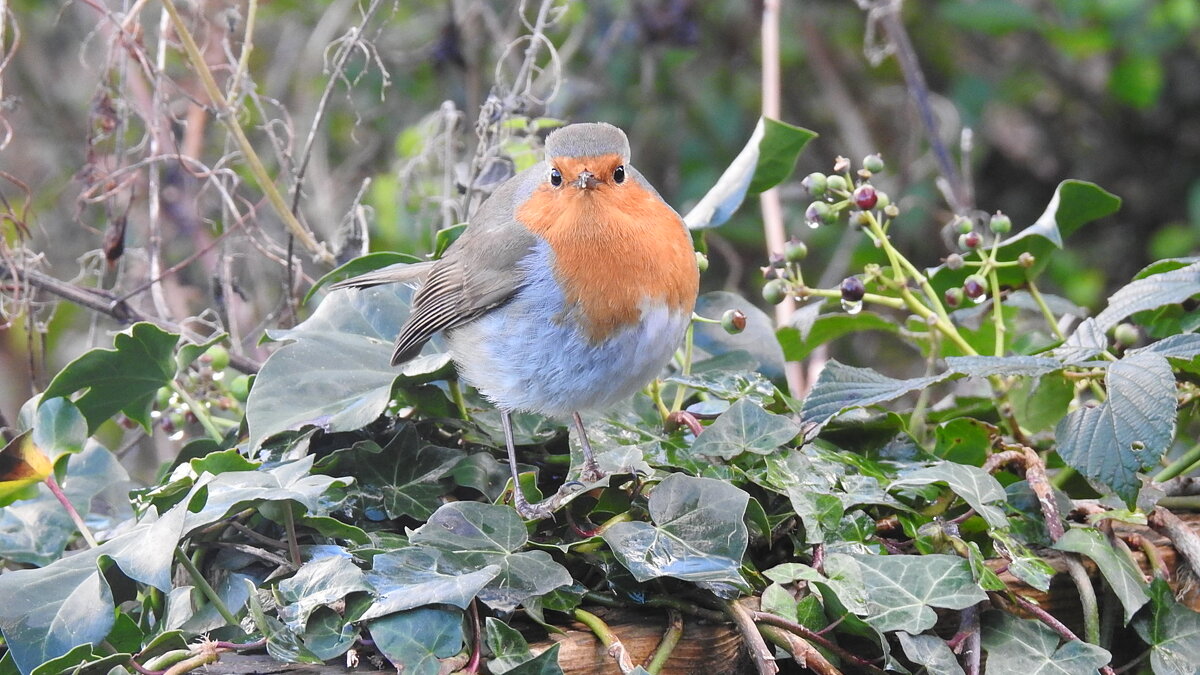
<point x="415" y="640"/>
<point x="745" y="427"/>
<point x="841" y="387"/>
<point x="1122" y="576"/>
<point x="902" y="590"/>
<point x="1026" y="647"/>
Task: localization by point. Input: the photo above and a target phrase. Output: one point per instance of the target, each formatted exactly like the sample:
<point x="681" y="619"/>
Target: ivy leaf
<point x="1151" y="292"/>
<point x="902" y="590"/>
<point x="841" y="387"/>
<point x="417" y="575"/>
<point x="1026" y="647"/>
<point x="976" y="486"/>
<point x="798" y="341"/>
<point x="930" y="651"/>
<point x="510" y="652"/>
<point x="546" y="663"/>
<point x="986" y="366"/>
<point x="214" y="497"/>
<point x="59" y="427"/>
<point x="767" y="160"/>
<point x="335" y="371"/>
<point x="484" y="535"/>
<point x="697" y="533"/>
<point x="745" y="427"/>
<point x="1173" y="632"/>
<point x="328" y="634"/>
<point x="415" y="640"/>
<point x="1130" y="431"/>
<point x="318" y="582"/>
<point x="123" y="379"/>
<point x="1120" y="573"/>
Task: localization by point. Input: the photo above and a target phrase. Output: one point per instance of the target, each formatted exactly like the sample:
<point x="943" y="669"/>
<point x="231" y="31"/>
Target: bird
<point x="569" y="290"/>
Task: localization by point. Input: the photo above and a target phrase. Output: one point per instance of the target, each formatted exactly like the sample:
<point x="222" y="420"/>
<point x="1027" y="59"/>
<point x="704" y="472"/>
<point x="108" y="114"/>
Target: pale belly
<point x="526" y="356"/>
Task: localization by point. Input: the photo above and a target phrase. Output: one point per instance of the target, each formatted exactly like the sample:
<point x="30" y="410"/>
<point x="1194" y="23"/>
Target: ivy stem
<point x="202" y="414"/>
<point x="870" y="298"/>
<point x="226" y="114"/>
<point x="667" y="645"/>
<point x="61" y="496"/>
<point x="686" y="367"/>
<point x="813" y="636"/>
<point x="801" y="650"/>
<point x="460" y="402"/>
<point x="743" y="618"/>
<point x="1185" y="463"/>
<point x="616" y="649"/>
<point x="289" y="523"/>
<point x="205" y="588"/>
<point x="1041" y="303"/>
<point x="997" y="310"/>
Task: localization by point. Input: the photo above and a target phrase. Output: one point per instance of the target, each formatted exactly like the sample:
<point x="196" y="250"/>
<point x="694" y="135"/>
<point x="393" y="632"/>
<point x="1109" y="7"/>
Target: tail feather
<point x="413" y="273"/>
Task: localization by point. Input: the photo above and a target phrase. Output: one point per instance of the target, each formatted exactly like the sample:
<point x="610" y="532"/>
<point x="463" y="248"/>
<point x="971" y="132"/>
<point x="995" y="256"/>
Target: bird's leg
<point x="527" y="511"/>
<point x="591" y="470"/>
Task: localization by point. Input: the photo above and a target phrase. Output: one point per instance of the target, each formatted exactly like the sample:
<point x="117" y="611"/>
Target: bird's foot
<point x="591" y="471"/>
<point x="545" y="508"/>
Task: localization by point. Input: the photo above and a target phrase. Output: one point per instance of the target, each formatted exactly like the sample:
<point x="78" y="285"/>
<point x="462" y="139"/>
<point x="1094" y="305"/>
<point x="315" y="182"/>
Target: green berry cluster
<point x="206" y="385"/>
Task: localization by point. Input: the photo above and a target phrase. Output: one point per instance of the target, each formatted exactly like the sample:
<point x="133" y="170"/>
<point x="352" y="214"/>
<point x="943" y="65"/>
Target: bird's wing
<point x="398" y="273"/>
<point x="480" y="271"/>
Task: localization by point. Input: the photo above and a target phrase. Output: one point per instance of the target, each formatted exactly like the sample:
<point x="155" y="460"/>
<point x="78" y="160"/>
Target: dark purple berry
<point x="733" y="321"/>
<point x="954" y="297"/>
<point x="969" y="241"/>
<point x="864" y="197"/>
<point x="974" y="286"/>
<point x="853" y="289"/>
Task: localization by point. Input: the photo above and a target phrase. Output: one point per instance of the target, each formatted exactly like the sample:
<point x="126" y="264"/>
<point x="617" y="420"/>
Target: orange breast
<point x="615" y="246"/>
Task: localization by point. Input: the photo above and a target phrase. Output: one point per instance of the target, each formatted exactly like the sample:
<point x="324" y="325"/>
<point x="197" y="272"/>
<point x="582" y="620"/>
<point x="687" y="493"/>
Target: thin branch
<point x="1185" y="540"/>
<point x="764" y="661"/>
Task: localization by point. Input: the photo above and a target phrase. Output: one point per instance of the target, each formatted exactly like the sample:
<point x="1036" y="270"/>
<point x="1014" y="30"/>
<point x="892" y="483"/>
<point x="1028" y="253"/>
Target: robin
<point x="569" y="291"/>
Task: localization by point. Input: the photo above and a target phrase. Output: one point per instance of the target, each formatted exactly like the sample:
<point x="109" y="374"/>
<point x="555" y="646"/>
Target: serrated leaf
<point x="841" y="388"/>
<point x="335" y="372"/>
<point x="902" y="590"/>
<point x="745" y="427"/>
<point x="1173" y="632"/>
<point x="1027" y="647"/>
<point x="1174" y="347"/>
<point x="987" y="366"/>
<point x="1087" y="341"/>
<point x="483" y="535"/>
<point x="318" y="582"/>
<point x="977" y="487"/>
<point x="123" y="379"/>
<point x="697" y="533"/>
<point x="799" y="341"/>
<point x="1122" y="576"/>
<point x="419" y="575"/>
<point x="1129" y="432"/>
<point x="767" y="159"/>
<point x="415" y="640"/>
<point x="930" y="651"/>
<point x="1167" y="288"/>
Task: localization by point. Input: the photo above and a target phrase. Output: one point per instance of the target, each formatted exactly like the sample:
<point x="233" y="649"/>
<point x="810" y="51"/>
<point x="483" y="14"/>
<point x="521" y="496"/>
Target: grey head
<point x="593" y="139"/>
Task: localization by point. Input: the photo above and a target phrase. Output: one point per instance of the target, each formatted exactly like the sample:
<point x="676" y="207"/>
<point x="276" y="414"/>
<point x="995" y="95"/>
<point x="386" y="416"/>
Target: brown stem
<point x="1182" y="537"/>
<point x="811" y="636"/>
<point x="805" y="654"/>
<point x="764" y="661"/>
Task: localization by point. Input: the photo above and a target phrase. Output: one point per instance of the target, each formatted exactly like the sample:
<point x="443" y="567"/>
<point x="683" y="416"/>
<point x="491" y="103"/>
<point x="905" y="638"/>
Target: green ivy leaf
<point x="1173" y="632"/>
<point x="841" y="388"/>
<point x="1122" y="576"/>
<point x="415" y="640"/>
<point x="930" y="651"/>
<point x="319" y="582"/>
<point x="328" y="634"/>
<point x="1130" y="431"/>
<point x="59" y="428"/>
<point x="124" y="379"/>
<point x="746" y="427"/>
<point x="697" y="533"/>
<point x="977" y="487"/>
<point x="483" y="535"/>
<point x="1039" y="404"/>
<point x="1026" y="647"/>
<point x="510" y="652"/>
<point x="546" y="663"/>
<point x="417" y="575"/>
<point x="800" y="339"/>
<point x="335" y="371"/>
<point x="768" y="158"/>
<point x="902" y="590"/>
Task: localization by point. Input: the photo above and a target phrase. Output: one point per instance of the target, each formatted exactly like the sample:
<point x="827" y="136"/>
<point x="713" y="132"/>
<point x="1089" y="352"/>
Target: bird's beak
<point x="586" y="180"/>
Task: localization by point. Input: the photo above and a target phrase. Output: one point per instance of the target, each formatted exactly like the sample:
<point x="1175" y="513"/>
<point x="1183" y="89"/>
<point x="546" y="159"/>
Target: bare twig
<point x="805" y="654"/>
<point x="812" y="636"/>
<point x="764" y="661"/>
<point x="1182" y="537"/>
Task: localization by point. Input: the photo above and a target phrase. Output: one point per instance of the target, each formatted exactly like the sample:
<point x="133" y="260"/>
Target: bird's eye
<point x="555" y="177"/>
<point x="619" y="174"/>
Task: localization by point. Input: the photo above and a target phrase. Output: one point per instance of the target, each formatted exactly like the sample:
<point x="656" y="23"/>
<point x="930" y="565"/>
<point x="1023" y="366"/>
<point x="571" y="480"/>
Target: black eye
<point x="619" y="174"/>
<point x="555" y="177"/>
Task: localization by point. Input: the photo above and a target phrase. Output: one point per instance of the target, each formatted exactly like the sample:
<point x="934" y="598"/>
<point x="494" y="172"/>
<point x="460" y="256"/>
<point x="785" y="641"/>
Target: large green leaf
<point x="768" y="158"/>
<point x="977" y="487"/>
<point x="1027" y="647"/>
<point x="485" y="535"/>
<point x="1122" y="576"/>
<point x="415" y="640"/>
<point x="511" y="654"/>
<point x="800" y="339"/>
<point x="318" y="582"/>
<point x="930" y="651"/>
<point x="697" y="533"/>
<point x="1130" y="431"/>
<point x="1173" y="632"/>
<point x="1008" y="366"/>
<point x="420" y="575"/>
<point x="214" y="497"/>
<point x="335" y="371"/>
<point x="902" y="590"/>
<point x="59" y="427"/>
<point x="1151" y="292"/>
<point x="360" y="265"/>
<point x="745" y="427"/>
<point x="841" y="388"/>
<point x="122" y="379"/>
<point x="1074" y="204"/>
<point x="49" y="611"/>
